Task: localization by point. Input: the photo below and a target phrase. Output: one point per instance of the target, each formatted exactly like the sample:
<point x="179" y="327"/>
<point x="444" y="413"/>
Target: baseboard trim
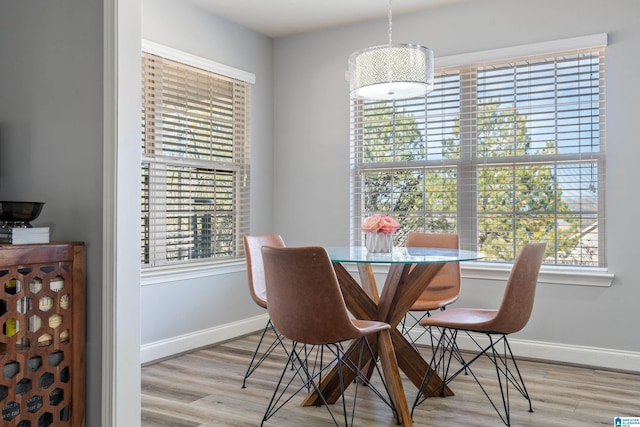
<point x="176" y="345"/>
<point x="561" y="353"/>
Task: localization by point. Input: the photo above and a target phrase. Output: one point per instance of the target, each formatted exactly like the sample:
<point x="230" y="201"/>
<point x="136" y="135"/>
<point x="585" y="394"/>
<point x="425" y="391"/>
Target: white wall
<point x="51" y="136"/>
<point x="312" y="147"/>
<point x="200" y="308"/>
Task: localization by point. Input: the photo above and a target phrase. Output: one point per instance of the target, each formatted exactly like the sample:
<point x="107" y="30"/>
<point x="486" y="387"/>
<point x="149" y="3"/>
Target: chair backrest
<point x="517" y="302"/>
<point x="255" y="269"/>
<point x="445" y="284"/>
<point x="305" y="301"/>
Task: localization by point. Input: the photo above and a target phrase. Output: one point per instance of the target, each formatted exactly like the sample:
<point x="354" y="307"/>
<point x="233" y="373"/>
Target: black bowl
<point x="19" y="211"/>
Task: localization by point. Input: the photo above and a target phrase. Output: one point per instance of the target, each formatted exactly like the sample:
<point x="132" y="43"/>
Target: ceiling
<point x="278" y="18"/>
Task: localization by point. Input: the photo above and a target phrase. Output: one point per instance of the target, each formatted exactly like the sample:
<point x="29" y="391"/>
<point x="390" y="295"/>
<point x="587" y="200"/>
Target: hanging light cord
<point x="389" y="78"/>
<point x="389" y="12"/>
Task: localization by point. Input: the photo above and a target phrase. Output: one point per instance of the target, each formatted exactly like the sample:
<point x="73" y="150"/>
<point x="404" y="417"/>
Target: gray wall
<point x="300" y="149"/>
<point x="215" y="299"/>
<point x="312" y="143"/>
<point x="51" y="135"/>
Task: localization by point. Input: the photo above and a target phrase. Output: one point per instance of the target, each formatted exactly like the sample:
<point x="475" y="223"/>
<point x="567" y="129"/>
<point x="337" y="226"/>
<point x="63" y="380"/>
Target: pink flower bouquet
<point x="380" y="223"/>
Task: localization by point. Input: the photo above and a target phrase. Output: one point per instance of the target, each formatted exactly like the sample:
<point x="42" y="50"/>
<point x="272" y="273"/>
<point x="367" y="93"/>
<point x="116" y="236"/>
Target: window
<point x="501" y="152"/>
<point x="195" y="162"/>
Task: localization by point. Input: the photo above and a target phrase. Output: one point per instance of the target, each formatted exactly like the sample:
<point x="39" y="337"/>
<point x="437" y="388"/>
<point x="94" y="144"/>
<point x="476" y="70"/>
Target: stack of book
<point x="18" y="236"/>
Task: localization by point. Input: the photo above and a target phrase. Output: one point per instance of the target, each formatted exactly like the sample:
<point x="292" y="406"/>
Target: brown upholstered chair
<point x="253" y="253"/>
<point x="307" y="307"/>
<point x="443" y="289"/>
<point x="512" y="315"/>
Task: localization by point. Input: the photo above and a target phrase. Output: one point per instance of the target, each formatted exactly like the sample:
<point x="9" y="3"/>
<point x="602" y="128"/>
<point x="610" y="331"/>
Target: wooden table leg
<point x="368" y="281"/>
<point x="414" y="366"/>
<point x="357" y="300"/>
<point x="392" y="378"/>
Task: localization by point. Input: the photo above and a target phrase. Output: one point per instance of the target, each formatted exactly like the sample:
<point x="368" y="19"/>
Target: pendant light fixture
<point x="391" y="71"/>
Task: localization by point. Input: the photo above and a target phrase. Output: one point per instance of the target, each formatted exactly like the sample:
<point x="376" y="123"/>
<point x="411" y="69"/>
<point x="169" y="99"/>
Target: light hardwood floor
<point x="203" y="388"/>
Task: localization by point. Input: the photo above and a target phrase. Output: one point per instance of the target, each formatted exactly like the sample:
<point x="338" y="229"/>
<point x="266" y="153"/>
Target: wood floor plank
<point x="154" y="419"/>
<point x="203" y="388"/>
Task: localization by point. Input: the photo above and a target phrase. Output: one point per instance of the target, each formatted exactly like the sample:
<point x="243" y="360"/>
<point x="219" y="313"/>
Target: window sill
<point x="555" y="275"/>
<point x="598" y="277"/>
<point x="158" y="275"/>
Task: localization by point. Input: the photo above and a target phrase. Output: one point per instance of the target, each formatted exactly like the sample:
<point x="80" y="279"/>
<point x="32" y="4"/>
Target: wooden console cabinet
<point x="42" y="315"/>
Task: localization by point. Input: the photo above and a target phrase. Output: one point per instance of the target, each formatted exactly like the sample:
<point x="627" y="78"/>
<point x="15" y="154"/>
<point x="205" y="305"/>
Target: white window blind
<point x="502" y="153"/>
<point x="195" y="163"/>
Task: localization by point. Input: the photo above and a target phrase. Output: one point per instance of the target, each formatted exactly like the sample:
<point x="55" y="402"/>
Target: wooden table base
<point x="403" y="286"/>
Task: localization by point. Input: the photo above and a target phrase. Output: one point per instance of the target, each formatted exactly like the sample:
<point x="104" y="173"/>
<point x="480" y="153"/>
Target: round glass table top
<point x="400" y="255"/>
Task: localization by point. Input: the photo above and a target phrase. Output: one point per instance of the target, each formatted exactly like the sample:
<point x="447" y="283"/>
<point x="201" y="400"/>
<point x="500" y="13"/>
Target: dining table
<point x="410" y="269"/>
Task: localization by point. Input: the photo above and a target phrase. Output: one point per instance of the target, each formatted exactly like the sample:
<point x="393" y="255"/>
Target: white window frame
<point x="207" y="266"/>
<point x="574" y="275"/>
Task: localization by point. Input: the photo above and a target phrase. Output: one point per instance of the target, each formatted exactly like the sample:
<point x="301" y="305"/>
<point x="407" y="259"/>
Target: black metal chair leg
<point x="253" y="365"/>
